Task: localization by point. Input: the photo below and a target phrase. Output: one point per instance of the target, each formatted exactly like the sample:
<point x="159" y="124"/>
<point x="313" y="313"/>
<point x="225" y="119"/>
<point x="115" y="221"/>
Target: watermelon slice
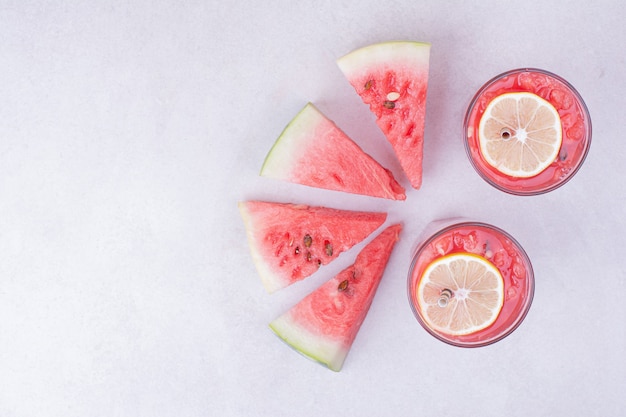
<point x="289" y="242"/>
<point x="313" y="151"/>
<point x="325" y="323"/>
<point x="392" y="78"/>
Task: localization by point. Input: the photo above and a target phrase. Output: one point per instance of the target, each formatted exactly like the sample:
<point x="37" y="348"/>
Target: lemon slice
<point x="520" y="134"/>
<point x="460" y="294"/>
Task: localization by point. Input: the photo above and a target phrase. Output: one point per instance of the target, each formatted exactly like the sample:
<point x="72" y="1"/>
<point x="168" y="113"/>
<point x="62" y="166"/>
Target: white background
<point x="129" y="131"/>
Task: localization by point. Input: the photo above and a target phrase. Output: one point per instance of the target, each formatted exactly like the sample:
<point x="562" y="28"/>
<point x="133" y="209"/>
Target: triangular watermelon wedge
<point x="392" y="78"/>
<point x="324" y="324"/>
<point x="313" y="151"/>
<point x="290" y="242"/>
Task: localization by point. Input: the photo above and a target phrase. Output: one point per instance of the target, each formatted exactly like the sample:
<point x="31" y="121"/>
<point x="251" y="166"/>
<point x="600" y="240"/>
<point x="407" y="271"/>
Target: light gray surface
<point x="129" y="131"/>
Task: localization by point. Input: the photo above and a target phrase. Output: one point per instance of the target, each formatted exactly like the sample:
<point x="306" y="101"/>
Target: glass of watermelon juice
<point x="470" y="284"/>
<point x="574" y="137"/>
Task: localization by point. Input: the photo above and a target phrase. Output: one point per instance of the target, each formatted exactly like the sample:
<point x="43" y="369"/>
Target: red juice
<point x="501" y="250"/>
<point x="575" y="122"/>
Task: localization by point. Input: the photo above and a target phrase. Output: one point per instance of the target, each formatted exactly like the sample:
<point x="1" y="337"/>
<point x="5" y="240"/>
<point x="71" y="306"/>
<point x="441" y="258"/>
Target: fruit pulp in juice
<point x="503" y="252"/>
<point x="575" y="121"/>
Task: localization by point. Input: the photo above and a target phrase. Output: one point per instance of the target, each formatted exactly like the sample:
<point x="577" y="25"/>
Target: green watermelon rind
<point x="267" y="276"/>
<point x="329" y="353"/>
<point x="383" y="53"/>
<point x="289" y="144"/>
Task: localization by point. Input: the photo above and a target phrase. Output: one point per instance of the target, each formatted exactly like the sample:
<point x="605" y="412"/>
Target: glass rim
<point x="539" y="191"/>
<point x="530" y="293"/>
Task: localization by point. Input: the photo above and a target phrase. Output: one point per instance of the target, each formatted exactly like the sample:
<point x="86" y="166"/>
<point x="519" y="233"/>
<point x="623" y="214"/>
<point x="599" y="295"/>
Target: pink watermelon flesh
<point x="290" y="242"/>
<point x="313" y="151"/>
<point x="325" y="323"/>
<point x="392" y="78"/>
